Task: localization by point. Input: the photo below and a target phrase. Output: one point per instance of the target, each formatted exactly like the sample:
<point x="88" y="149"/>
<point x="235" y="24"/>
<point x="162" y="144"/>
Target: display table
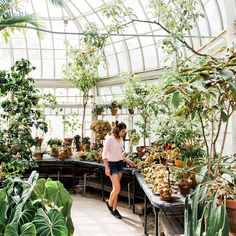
<point x="176" y="204"/>
<point x="72" y="165"/>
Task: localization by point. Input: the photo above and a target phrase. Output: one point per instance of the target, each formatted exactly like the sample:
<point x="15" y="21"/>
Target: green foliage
<point x="54" y="142"/>
<point x="34" y="206"/>
<point x="144" y="98"/>
<point x="133" y="137"/>
<point x="19" y="115"/>
<point x="11" y="15"/>
<point x="71" y="124"/>
<point x="203" y="215"/>
<point x="83" y="65"/>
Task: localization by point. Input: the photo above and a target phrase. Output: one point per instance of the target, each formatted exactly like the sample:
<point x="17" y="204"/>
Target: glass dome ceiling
<point x="125" y="54"/>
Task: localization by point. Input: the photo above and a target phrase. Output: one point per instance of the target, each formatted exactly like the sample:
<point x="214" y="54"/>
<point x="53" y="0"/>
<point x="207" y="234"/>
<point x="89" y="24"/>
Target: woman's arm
<point x="131" y="163"/>
<point x="105" y="154"/>
<point x="107" y="169"/>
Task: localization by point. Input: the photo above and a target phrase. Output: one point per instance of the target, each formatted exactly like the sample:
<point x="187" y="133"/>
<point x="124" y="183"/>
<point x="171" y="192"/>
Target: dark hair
<point x="118" y="127"/>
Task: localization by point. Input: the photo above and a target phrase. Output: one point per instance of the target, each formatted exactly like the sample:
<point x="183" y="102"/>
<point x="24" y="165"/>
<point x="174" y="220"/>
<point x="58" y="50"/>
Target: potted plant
<point x="114" y="107"/>
<point x="38" y="153"/>
<point x="86" y="142"/>
<point x="101" y="128"/>
<point x="65" y="152"/>
<point x="133" y="137"/>
<point x="182" y="177"/>
<point x="39" y="141"/>
<point x="98" y="109"/>
<point x="54" y="144"/>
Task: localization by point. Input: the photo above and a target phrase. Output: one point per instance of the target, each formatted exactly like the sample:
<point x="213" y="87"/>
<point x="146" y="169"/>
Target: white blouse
<point x="113" y="149"/>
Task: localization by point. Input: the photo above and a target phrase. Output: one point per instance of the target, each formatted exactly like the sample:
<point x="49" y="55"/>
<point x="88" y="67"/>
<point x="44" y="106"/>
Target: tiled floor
<point x="92" y="218"/>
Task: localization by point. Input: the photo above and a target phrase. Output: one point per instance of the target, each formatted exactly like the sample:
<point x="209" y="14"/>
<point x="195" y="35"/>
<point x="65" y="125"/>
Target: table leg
<point x="102" y="185"/>
<point x="157" y="228"/>
<point x="134" y="187"/>
<point x="73" y="169"/>
<point x="145" y="214"/>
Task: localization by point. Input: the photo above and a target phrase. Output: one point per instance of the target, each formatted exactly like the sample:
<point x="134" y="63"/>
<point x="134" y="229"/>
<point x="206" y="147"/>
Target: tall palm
<point x="11" y="15"/>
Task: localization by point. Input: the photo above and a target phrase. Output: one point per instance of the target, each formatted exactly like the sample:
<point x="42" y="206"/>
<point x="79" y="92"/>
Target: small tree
<point x="143" y="96"/>
<point x="82" y="69"/>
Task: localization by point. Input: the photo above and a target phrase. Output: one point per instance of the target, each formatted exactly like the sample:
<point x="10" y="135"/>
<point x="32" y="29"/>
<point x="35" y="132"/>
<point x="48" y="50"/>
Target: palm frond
<point x="19" y="19"/>
<point x="57" y="2"/>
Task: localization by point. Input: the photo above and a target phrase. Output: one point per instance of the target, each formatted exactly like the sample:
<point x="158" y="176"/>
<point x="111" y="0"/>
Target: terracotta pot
<point x="68" y="141"/>
<point x="114" y="111"/>
<point x="231" y="210"/>
<point x="70" y="153"/>
<point x="55" y="152"/>
<point x="81" y="147"/>
<point x="38" y="156"/>
<point x="179" y="163"/>
<point x="131" y="111"/>
<point x="184" y="189"/>
<point x="165" y="197"/>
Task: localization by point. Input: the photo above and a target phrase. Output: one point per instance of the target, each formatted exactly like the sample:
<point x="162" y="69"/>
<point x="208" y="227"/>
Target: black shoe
<point x="110" y="208"/>
<point x="116" y="214"/>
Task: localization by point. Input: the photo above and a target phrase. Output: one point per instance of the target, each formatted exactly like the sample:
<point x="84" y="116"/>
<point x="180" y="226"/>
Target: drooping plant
<point x="82" y="69"/>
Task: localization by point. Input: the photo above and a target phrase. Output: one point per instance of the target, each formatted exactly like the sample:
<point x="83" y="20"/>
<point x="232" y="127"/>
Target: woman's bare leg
<point x="114" y="205"/>
<point x="115" y="179"/>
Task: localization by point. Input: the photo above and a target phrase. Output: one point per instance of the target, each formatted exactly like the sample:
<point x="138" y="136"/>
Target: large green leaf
<point x="56" y="192"/>
<point x="3" y="206"/>
<point x="26" y="230"/>
<point x="24" y="213"/>
<point x="50" y="224"/>
<point x="176" y="99"/>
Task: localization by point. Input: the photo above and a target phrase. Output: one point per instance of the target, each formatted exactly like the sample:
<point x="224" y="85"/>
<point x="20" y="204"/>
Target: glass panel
<point x="112" y="65"/>
<point x="150" y="57"/>
<point x="122" y="58"/>
<point x="136" y="60"/>
<point x="34" y="54"/>
<point x="213" y="16"/>
<point x="18" y="54"/>
<point x="48" y="69"/>
<point x="47" y="54"/>
<point x="5" y="54"/>
<point x="18" y="43"/>
<point x="59" y="67"/>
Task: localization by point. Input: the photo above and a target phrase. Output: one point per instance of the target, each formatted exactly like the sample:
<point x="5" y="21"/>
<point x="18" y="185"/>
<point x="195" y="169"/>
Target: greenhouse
<point x="117" y="117"/>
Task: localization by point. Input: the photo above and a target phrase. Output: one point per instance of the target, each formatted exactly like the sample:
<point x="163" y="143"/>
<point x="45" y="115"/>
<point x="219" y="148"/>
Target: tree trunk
<point x="85" y="101"/>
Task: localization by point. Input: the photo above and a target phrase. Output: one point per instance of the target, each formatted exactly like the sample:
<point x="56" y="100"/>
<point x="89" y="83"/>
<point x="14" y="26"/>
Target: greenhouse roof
<point x="136" y="50"/>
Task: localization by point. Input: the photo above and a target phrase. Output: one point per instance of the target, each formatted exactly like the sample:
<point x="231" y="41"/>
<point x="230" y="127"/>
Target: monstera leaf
<point x="50" y="224"/>
<point x="26" y="230"/>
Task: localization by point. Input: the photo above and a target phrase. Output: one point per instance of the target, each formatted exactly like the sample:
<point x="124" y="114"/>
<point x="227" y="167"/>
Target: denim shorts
<point x="116" y="167"/>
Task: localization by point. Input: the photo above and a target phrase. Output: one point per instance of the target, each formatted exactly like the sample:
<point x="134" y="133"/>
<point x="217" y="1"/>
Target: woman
<point x="114" y="162"/>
